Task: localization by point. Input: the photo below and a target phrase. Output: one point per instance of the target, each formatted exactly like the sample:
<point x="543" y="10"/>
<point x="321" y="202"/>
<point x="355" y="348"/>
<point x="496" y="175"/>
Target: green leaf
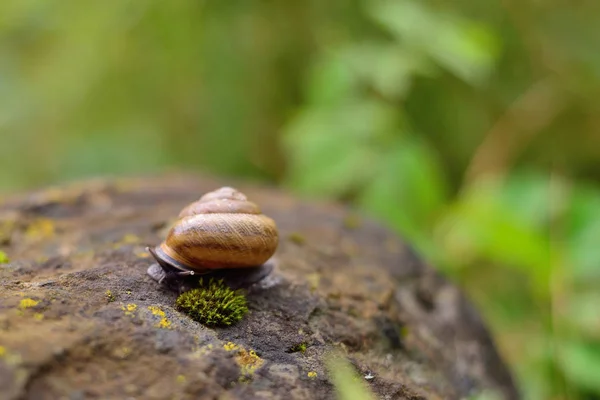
<point x="331" y="80"/>
<point x="583" y="312"/>
<point x="580" y="362"/>
<point x="484" y="224"/>
<point x="583" y="224"/>
<point x="389" y="69"/>
<point x="463" y="47"/>
<point x="530" y="198"/>
<point x="408" y="188"/>
<point x="334" y="150"/>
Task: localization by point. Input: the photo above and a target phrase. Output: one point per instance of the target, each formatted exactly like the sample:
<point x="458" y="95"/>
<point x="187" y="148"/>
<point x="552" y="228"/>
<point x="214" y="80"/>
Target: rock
<point x="81" y="319"/>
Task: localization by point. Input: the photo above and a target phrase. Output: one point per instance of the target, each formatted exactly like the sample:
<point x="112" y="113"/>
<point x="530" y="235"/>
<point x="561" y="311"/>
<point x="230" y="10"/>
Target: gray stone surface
<point x="80" y="319"/>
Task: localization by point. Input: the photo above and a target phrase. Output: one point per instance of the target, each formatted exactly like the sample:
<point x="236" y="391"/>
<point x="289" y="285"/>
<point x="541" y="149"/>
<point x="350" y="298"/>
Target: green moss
<point x="213" y="304"/>
<point x="299" y="347"/>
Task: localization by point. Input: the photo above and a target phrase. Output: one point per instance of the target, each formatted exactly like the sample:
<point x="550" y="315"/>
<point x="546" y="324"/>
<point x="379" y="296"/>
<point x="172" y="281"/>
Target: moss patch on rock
<point x="213" y="304"/>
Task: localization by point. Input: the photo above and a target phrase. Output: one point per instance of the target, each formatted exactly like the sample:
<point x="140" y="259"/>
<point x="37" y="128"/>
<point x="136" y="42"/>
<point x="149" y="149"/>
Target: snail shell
<point x="221" y="230"/>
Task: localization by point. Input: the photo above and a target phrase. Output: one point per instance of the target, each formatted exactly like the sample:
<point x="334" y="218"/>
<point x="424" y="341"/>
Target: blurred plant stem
<point x="559" y="282"/>
<point x="349" y="385"/>
<point x="527" y="117"/>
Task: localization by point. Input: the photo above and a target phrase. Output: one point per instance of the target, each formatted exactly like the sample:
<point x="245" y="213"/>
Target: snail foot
<point x="235" y="278"/>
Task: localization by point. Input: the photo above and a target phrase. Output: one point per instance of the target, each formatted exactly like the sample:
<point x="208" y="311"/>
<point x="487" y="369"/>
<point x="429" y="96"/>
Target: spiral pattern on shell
<point x="223" y="229"/>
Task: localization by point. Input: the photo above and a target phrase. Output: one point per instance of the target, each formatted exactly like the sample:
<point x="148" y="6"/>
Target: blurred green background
<point x="470" y="127"/>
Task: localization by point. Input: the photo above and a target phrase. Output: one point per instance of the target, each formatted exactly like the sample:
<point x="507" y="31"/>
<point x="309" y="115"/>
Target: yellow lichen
<point x="27" y="303"/>
<point x="41" y="228"/>
<point x="10" y="358"/>
<point x="127" y="239"/>
<point x="229" y="346"/>
<point x="297" y="238"/>
<point x="156" y="311"/>
<point x="142" y="254"/>
<point x="130" y="239"/>
<point x="122" y="352"/>
<point x="312" y="374"/>
<point x="4" y="258"/>
<point x="202" y="351"/>
<point x="38" y="316"/>
<point x="249" y="361"/>
<point x="6" y="230"/>
<point x="181" y="379"/>
<point x="129" y="308"/>
<point x="109" y="296"/>
<point x="313" y="279"/>
<point x="164" y="322"/>
<point x="41" y="259"/>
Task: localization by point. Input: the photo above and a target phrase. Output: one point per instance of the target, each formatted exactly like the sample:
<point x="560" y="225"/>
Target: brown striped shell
<point x="220" y="230"/>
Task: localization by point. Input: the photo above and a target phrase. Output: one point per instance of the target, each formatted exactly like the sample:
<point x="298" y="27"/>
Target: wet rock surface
<point x="81" y="319"/>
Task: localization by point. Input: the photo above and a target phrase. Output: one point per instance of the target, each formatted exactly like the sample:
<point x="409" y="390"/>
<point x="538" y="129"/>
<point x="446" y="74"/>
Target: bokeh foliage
<point x="471" y="128"/>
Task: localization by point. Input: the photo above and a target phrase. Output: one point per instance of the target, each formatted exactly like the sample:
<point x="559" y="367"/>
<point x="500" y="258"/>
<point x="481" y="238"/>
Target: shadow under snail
<point x="222" y="234"/>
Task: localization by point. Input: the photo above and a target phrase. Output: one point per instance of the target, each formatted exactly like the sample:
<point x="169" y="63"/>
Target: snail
<point x="222" y="234"/>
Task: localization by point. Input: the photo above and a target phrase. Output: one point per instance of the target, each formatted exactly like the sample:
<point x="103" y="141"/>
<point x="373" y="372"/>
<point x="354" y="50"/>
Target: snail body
<point x="221" y="231"/>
